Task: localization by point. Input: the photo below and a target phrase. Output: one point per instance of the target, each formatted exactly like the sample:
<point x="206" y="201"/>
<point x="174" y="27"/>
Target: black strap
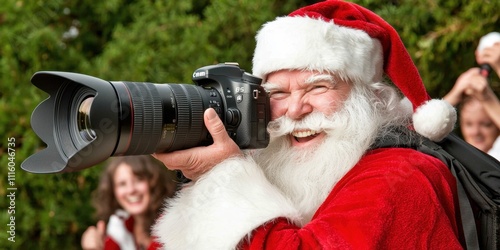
<point x="466" y="213"/>
<point x="459" y="172"/>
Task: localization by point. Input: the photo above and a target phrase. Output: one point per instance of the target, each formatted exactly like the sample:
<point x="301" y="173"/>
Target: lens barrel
<point x="160" y="117"/>
<point x="140" y="118"/>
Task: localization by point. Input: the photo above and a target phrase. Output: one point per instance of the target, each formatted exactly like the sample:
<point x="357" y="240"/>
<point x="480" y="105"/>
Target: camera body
<point x="245" y="104"/>
<point x="86" y="120"/>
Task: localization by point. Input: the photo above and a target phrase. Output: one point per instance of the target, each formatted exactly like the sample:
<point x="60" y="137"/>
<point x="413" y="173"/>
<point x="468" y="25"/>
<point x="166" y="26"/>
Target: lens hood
<point x="54" y="121"/>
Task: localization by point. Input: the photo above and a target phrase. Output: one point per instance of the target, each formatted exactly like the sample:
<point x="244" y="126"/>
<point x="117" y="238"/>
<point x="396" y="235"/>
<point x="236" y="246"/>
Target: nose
<point x="298" y="106"/>
<point x="475" y="130"/>
<point x="131" y="188"/>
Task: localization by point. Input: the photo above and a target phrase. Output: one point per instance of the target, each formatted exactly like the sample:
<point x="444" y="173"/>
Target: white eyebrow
<point x="270" y="86"/>
<point x="320" y="78"/>
<point x="310" y="80"/>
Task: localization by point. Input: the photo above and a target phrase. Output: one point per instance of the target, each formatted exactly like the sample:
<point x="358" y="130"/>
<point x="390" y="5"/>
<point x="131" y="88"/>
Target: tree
<point x="165" y="41"/>
<point x="441" y="35"/>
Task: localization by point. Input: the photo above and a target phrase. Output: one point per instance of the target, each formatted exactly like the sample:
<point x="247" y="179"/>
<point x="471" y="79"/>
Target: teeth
<point x="133" y="198"/>
<point x="301" y="134"/>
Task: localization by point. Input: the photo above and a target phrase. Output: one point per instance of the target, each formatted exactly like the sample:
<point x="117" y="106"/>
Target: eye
<point x="141" y="179"/>
<point x="487" y="124"/>
<point x="120" y="184"/>
<point x="317" y="89"/>
<point x="278" y="94"/>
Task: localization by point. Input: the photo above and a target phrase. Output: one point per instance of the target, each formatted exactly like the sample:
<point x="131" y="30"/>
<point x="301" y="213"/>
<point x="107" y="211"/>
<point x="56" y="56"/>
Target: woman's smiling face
<point x="131" y="191"/>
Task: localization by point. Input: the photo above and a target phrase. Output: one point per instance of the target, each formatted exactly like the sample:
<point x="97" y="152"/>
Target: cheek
<point x="491" y="132"/>
<point x="467" y="130"/>
<point x="327" y="104"/>
<point x="143" y="187"/>
<point x="277" y="108"/>
<point x="119" y="192"/>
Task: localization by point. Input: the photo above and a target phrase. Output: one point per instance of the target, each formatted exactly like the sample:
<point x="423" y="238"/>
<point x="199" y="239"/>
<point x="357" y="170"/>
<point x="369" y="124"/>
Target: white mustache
<point x="315" y="121"/>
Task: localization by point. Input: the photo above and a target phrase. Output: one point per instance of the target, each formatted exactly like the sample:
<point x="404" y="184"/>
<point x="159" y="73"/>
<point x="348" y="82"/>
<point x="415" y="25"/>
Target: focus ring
<point x="148" y="118"/>
<point x="189" y="116"/>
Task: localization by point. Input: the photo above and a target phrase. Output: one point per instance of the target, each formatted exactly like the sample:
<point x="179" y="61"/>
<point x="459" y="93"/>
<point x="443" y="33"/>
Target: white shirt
<point x="495" y="150"/>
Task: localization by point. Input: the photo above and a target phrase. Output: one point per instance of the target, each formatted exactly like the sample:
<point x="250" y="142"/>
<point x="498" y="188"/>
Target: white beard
<point x="307" y="175"/>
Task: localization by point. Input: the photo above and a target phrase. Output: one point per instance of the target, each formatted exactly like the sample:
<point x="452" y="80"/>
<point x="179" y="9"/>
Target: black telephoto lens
<point x="92" y="123"/>
<point x="86" y="120"/>
<point x="161" y="117"/>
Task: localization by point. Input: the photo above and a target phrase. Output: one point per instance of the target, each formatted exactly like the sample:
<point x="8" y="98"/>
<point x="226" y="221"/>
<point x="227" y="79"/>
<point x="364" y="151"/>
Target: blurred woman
<point x="128" y="199"/>
<point x="477" y="128"/>
<point x="478" y="105"/>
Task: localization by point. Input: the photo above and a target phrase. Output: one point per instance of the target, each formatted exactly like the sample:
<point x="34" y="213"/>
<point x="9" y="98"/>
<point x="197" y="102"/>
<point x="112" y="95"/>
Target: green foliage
<point x="441" y="35"/>
<point x="165" y="41"/>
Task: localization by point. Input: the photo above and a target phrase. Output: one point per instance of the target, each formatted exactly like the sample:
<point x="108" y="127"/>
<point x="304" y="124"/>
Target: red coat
<point x="392" y="199"/>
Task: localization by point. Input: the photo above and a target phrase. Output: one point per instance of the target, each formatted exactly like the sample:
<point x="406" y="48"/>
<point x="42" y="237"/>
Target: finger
<point x="214" y="125"/>
<point x="177" y="160"/>
<point x="101" y="227"/>
<point x="223" y="144"/>
<point x="89" y="230"/>
<point x="87" y="240"/>
<point x="188" y="157"/>
<point x="190" y="161"/>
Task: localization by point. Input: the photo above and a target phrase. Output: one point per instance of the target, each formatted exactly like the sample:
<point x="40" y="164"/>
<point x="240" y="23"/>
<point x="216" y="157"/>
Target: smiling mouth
<point x="133" y="199"/>
<point x="304" y="136"/>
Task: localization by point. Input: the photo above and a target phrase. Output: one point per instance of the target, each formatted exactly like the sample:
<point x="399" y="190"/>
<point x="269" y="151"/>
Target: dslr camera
<point x="85" y="120"/>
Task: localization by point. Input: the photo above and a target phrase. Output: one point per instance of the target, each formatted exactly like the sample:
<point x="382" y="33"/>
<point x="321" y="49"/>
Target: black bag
<point x="478" y="184"/>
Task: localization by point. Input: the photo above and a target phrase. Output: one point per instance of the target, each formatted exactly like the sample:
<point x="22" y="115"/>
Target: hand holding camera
<point x="194" y="162"/>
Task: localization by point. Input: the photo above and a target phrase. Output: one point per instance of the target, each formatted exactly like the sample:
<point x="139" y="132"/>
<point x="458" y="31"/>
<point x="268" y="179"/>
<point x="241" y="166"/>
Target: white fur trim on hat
<point x="434" y="119"/>
<point x="311" y="44"/>
<point x="221" y="208"/>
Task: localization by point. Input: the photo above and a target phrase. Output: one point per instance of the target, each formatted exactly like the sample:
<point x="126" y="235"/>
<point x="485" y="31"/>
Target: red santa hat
<point x="349" y="40"/>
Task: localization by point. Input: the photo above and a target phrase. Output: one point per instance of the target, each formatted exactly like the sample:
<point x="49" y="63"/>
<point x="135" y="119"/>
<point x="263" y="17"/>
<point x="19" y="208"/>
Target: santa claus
<point x="320" y="184"/>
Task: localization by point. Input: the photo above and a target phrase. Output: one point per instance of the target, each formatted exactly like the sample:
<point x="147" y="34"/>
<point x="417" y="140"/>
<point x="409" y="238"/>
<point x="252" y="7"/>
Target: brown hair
<point x="161" y="186"/>
<point x="466" y="100"/>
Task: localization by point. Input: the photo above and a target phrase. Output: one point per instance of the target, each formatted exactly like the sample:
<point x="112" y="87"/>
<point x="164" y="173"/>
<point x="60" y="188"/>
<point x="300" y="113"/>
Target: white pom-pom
<point x="434" y="119"/>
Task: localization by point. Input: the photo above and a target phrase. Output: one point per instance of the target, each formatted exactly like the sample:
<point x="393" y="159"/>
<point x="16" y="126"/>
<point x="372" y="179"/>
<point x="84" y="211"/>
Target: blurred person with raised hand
<point x="478" y="105"/>
<point x="128" y="199"/>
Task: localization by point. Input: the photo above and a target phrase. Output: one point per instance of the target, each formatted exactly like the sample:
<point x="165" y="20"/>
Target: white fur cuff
<point x="222" y="208"/>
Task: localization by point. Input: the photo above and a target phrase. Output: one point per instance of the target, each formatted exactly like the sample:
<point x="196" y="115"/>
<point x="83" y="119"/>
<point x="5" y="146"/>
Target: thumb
<point x="214" y="125"/>
<point x="101" y="228"/>
<point x="469" y="91"/>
